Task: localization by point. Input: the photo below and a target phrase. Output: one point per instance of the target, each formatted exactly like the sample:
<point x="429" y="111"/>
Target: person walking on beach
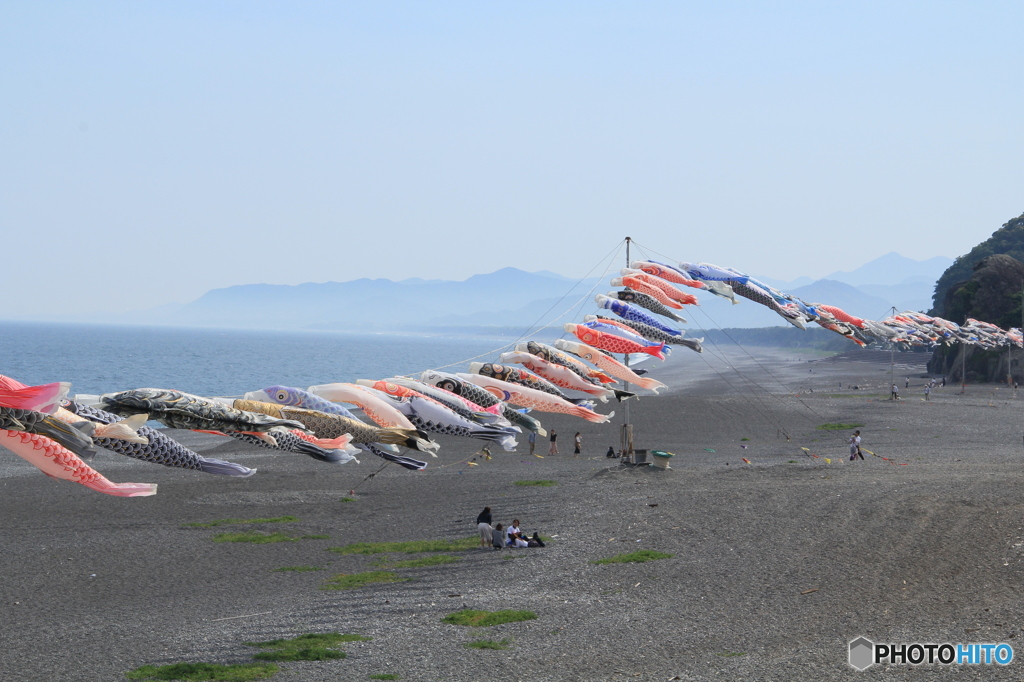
<point x="907" y="385"/>
<point x="895" y="392"/>
<point x="577" y="444"/>
<point x="533" y="441"/>
<point x="483" y="524"/>
<point x="854" y="442"/>
<point x="553" y="450"/>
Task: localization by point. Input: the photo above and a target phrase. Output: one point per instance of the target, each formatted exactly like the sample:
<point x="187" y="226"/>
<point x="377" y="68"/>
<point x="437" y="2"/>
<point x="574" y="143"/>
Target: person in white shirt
<point x="855" y="446"/>
<point x="514" y="536"/>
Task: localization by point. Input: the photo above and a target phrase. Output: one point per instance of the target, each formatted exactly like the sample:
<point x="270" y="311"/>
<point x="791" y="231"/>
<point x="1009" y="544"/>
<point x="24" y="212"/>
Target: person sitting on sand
<point x="611" y="452"/>
<point x="515" y="536"/>
<point x="483" y="524"/>
<point x="497" y="537"/>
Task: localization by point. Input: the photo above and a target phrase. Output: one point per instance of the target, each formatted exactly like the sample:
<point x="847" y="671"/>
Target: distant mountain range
<point x="507" y="297"/>
<point x="513" y="299"/>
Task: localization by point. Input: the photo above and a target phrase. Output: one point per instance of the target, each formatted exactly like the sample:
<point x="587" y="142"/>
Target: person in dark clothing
<point x="498" y="537"/>
<point x="553" y="450"/>
<point x="483" y="524"/>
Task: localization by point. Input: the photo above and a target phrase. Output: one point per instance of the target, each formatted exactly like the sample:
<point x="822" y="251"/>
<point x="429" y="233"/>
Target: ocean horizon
<point x="99" y="358"/>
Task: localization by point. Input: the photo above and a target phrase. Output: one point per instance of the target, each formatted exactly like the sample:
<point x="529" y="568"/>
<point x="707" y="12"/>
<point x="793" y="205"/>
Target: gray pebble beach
<point x="777" y="564"/>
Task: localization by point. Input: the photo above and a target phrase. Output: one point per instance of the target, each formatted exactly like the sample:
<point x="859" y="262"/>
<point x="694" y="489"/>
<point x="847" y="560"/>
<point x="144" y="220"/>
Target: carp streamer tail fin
<point x="219" y="466"/>
<point x="102" y="485"/>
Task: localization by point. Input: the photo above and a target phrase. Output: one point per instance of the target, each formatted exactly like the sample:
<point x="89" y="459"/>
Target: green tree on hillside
<point x="1009" y="239"/>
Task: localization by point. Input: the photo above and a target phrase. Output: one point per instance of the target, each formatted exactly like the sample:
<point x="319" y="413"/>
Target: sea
<point x="99" y="359"/>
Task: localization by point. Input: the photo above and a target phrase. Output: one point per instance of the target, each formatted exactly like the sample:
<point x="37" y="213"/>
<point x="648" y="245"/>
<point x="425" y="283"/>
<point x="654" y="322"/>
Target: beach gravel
<point x="776" y="564"/>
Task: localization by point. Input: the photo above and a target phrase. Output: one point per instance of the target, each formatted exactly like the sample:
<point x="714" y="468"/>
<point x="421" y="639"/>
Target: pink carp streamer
<point x="533" y="399"/>
<point x="57" y="461"/>
<point x="637" y="284"/>
<point x="670" y="291"/>
<point x="608" y="364"/>
<point x="44" y="398"/>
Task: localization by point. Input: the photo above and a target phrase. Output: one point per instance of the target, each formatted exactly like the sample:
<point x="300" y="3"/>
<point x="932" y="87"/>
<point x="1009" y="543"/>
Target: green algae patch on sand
<point x="488" y="644"/>
<point x="541" y="484"/>
<point x="435" y="560"/>
<point x="235" y="522"/>
<point x="385" y="676"/>
<point x="636" y="557"/>
<point x="205" y="672"/>
<point x="297" y="569"/>
<point x="486" y="619"/>
<point x="309" y="647"/>
<point x="411" y="547"/>
<point x="352" y="581"/>
<point x="839" y="426"/>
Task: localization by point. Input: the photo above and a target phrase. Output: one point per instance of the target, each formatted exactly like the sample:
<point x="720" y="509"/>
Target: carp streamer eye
<point x="281" y="395"/>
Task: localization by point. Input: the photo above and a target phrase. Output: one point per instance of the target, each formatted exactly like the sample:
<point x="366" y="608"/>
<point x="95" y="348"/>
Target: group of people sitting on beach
<point x="499" y="536"/>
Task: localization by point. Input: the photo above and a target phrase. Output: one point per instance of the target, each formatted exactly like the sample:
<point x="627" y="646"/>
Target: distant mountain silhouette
<point x="851" y="299"/>
<point x="377" y="304"/>
<point x="892" y="268"/>
<point x="511" y="298"/>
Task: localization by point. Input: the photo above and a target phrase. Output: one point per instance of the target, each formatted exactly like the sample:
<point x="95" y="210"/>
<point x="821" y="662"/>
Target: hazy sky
<point x="150" y="151"/>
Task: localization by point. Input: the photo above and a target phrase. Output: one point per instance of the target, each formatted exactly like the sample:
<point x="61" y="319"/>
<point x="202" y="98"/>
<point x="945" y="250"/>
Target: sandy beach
<point x="777" y="564"/>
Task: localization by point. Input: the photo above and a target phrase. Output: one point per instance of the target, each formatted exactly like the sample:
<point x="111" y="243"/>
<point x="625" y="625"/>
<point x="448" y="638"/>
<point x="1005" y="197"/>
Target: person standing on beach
<point x="927" y="392"/>
<point x="483" y="524"/>
<point x="533" y="441"/>
<point x="907" y="385"/>
<point x="855" y="446"/>
<point x="895" y="392"/>
<point x="553" y="450"/>
<point x="578" y="444"/>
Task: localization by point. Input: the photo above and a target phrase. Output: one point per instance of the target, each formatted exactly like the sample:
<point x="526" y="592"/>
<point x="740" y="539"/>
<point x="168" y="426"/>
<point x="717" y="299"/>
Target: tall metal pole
<point x="892" y="365"/>
<point x="627" y="428"/>
<point x="963" y="368"/>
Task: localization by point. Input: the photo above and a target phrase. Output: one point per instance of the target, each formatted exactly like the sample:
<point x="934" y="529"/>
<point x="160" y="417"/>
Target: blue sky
<point x="152" y="151"/>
